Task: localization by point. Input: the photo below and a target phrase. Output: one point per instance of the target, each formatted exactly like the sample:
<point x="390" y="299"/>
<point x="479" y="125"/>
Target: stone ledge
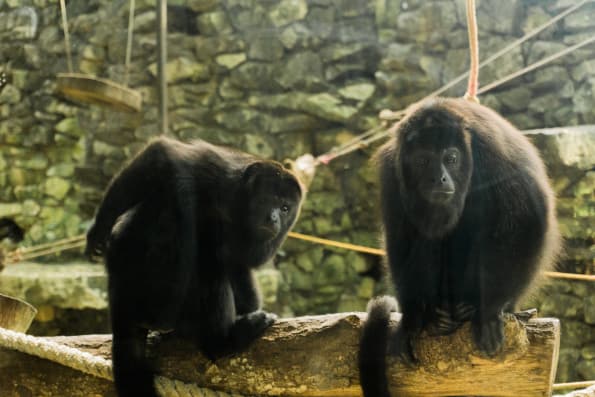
<point x="67" y="286"/>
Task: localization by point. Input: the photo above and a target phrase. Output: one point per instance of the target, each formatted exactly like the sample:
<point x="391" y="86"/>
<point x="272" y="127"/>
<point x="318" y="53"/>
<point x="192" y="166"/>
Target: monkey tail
<point x="373" y="347"/>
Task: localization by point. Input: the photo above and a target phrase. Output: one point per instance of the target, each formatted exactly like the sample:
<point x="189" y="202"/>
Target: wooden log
<point x="15" y="314"/>
<point x="317" y="356"/>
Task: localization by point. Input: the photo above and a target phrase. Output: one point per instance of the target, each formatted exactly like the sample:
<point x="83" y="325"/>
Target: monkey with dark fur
<point x="469" y="222"/>
<point x="181" y="227"/>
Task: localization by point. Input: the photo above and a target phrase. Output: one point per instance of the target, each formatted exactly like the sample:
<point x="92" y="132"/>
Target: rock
<point x="498" y="17"/>
<point x="365" y="289"/>
<point x="57" y="187"/>
<point x="320" y="21"/>
<point x="564" y="306"/>
<point x="30" y="208"/>
<point x="258" y="146"/>
<point x="207" y="47"/>
<point x="567" y="365"/>
<point x="328" y="107"/>
<point x="583" y="100"/>
<point x="106" y="150"/>
<point x="71" y="286"/>
<point x="10" y="210"/>
<point x="578" y="21"/>
<point x="69" y="126"/>
<point x="246" y="19"/>
<point x="302" y="69"/>
<point x="202" y="5"/>
<point x="287" y="11"/>
<point x="145" y="21"/>
<point x="265" y="47"/>
<point x="181" y="69"/>
<point x="268" y="281"/>
<point x="515" y="99"/>
<point x="331" y="271"/>
<point x="255" y="75"/>
<point x="359" y="92"/>
<point x="586" y="369"/>
<point x="10" y="95"/>
<point x="214" y="23"/>
<point x="230" y="61"/>
<point x="356" y="30"/>
<point x="590" y="309"/>
<point x="64" y="170"/>
<point x="576" y="333"/>
<point x="583" y="70"/>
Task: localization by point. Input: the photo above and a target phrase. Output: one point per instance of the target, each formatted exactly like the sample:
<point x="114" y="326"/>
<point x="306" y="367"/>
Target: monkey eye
<point x="451" y="159"/>
<point x="285" y="208"/>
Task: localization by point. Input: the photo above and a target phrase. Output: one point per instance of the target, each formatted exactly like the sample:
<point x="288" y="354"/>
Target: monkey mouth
<point x="266" y="232"/>
<point x="439" y="196"/>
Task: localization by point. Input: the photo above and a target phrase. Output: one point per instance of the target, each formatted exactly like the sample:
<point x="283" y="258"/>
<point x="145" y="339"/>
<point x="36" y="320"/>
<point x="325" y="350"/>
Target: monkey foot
<point x="489" y="335"/>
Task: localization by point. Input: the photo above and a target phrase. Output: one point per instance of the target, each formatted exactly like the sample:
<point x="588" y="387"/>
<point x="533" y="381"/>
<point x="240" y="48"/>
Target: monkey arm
<point x="150" y="172"/>
<point x="245" y="291"/>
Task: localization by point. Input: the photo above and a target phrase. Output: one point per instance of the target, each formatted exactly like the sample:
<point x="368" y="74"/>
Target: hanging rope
<point x="93" y="365"/>
<point x="129" y="42"/>
<point x="471" y="94"/>
<point x="389" y="115"/>
<point x="66" y="35"/>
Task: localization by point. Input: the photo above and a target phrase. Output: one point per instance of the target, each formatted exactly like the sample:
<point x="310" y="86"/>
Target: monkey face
<point x="272" y="198"/>
<point x="434" y="167"/>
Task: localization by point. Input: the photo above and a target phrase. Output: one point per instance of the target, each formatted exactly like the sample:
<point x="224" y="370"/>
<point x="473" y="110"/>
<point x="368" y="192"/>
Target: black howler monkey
<point x="469" y="222"/>
<point x="181" y="227"/>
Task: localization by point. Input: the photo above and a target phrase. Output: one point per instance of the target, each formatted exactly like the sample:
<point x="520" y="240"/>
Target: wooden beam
<point x="317" y="356"/>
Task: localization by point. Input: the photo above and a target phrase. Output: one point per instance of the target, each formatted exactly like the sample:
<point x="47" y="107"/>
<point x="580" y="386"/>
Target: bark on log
<point x="317" y="356"/>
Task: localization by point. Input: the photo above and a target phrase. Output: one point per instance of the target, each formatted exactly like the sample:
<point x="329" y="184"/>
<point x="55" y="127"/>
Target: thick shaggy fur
<point x="182" y="226"/>
<point x="471" y="252"/>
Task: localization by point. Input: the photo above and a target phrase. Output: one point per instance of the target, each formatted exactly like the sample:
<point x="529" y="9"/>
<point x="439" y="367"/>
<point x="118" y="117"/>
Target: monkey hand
<point x="401" y="345"/>
<point x="488" y="334"/>
<point x="95" y="243"/>
<point x="448" y="319"/>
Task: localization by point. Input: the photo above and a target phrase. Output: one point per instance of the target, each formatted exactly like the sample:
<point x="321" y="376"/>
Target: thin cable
<point x="66" y="35"/>
<point x="340" y="150"/>
<point x="473" y="82"/>
<point x="536" y="65"/>
<point x="129" y="42"/>
<point x="511" y="46"/>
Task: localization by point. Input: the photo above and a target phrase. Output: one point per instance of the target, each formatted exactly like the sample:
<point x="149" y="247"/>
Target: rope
<point x="512" y="46"/>
<point x="536" y="65"/>
<point x="93" y="365"/>
<point x="588" y="392"/>
<point x="471" y="94"/>
<point x="574" y="385"/>
<point x="338" y="244"/>
<point x="129" y="42"/>
<point x="66" y="35"/>
<point x="78" y="241"/>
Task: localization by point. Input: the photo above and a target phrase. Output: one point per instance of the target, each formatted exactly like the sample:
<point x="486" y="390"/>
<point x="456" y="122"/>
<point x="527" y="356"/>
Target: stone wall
<point x="280" y="78"/>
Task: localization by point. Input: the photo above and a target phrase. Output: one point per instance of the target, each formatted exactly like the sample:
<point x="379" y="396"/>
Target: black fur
<point x="181" y="227"/>
<point x="469" y="222"/>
